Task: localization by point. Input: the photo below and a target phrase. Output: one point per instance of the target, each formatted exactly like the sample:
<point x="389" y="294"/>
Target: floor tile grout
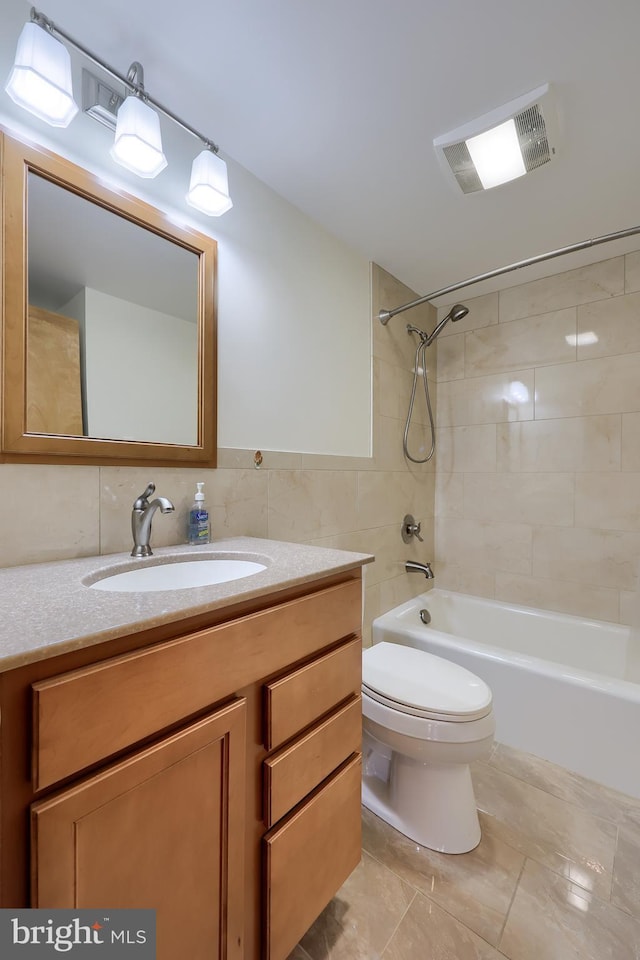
<point x="513" y="896"/>
<point x="397" y="926"/>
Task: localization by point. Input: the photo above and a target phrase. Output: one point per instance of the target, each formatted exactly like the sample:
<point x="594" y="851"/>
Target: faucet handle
<point x="142" y="502"/>
<point x="411" y="529"/>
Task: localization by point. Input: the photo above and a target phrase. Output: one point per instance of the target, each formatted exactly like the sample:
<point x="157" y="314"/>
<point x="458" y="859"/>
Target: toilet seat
<point x="422" y="685"/>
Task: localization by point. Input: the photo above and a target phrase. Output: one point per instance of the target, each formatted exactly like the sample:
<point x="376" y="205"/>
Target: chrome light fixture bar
<point x="137" y="143"/>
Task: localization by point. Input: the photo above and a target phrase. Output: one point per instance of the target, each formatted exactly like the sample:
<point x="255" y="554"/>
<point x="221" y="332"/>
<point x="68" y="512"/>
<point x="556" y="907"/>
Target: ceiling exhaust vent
<point x="502" y="145"/>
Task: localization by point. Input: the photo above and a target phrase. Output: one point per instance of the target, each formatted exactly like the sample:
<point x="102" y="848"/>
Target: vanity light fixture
<point x="40" y="82"/>
<point x="138" y="143"/>
<point x="209" y="186"/>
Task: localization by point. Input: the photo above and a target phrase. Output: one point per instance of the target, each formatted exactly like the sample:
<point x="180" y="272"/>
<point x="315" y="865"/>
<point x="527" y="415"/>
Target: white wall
<point x="139" y="370"/>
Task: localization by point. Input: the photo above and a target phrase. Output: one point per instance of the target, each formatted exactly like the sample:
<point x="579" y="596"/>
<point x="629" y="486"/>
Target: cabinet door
<point x="163" y="829"/>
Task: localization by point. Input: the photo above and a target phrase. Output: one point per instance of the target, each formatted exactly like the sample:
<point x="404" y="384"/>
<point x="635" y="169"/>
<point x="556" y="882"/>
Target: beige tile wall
<point x="57" y="512"/>
<point x="538" y="463"/>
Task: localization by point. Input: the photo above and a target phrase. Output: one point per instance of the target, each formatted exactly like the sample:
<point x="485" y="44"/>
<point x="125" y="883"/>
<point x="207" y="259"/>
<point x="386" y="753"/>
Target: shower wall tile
<point x="384" y="498"/>
<point x="573" y="463"/>
<point x="595" y="282"/>
<point x="50" y="512"/>
<point x="614" y="324"/>
<point x="532" y="341"/>
<point x="606" y="385"/>
<point x="482" y="312"/>
<point x="391" y="342"/>
<point x="564" y="596"/>
<point x="603" y="558"/>
<point x="449" y="494"/>
<point x="576" y="444"/>
<point x="387" y="444"/>
<point x="632" y="272"/>
<point x="631" y="441"/>
<point x="469" y="449"/>
<point x="465" y="579"/>
<point x="305" y="505"/>
<point x="392" y="390"/>
<point x="629" y="607"/>
<point x="385" y="544"/>
<point x="484" y="545"/>
<point x="494" y="399"/>
<point x="520" y="498"/>
<point x="450" y="351"/>
<point x="608" y="501"/>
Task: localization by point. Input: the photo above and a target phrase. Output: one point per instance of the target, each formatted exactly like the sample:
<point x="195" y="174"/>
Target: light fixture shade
<point x="138" y="143"/>
<point x="496" y="155"/>
<point x="40" y="80"/>
<point x="209" y="185"/>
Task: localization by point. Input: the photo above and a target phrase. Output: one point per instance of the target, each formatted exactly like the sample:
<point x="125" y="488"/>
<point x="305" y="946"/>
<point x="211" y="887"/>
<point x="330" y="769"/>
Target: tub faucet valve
<point x="410" y="529"/>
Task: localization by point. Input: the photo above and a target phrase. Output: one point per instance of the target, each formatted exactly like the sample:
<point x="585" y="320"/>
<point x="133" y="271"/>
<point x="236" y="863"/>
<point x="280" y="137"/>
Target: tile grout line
<point x="397" y="926"/>
<point x="513" y="896"/>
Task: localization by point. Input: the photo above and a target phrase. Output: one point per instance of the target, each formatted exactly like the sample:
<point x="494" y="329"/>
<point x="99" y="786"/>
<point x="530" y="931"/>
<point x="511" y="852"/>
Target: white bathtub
<point x="561" y="685"/>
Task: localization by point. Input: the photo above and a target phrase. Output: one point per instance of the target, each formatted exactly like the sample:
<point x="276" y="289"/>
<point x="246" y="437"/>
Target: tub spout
<point x="412" y="566"/>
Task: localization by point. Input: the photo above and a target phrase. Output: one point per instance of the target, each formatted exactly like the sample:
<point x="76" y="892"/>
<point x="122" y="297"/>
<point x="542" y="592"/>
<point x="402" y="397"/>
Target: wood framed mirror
<point x="109" y="326"/>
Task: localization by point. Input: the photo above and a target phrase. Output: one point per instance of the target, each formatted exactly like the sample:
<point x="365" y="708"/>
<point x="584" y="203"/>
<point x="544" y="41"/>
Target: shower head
<point x="457" y="312"/>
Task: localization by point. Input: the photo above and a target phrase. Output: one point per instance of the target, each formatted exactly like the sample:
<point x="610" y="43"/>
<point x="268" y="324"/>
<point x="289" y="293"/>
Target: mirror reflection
<point x="112" y="337"/>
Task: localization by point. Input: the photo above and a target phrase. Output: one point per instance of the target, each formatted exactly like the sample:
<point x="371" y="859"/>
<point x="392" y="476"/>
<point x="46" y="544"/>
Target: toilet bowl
<point x="425" y="719"/>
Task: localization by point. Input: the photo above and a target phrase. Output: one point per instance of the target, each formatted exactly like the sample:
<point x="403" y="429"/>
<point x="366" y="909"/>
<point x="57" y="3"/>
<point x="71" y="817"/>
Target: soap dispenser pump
<point x="198" y="518"/>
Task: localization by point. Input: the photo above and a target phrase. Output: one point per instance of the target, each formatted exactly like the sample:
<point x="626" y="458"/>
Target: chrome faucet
<point x="412" y="566"/>
<point x="141" y="518"/>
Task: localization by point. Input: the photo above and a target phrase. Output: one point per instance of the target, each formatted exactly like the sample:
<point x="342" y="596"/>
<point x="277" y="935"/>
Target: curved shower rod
<point x="385" y="315"/>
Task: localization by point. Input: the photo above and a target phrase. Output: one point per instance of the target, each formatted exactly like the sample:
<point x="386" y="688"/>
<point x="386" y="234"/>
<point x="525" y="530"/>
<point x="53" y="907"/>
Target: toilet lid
<point x="414" y="681"/>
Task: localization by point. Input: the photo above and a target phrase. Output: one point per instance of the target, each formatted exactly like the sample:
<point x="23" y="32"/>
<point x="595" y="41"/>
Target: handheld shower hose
<point x="457" y="312"/>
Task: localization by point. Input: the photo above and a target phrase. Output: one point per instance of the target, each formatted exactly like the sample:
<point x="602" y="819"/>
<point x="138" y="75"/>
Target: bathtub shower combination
<point x="564" y="689"/>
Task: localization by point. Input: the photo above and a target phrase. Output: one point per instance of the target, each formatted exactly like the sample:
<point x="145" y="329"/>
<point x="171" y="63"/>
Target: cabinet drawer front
<point x="295" y="770"/>
<point x="308" y="858"/>
<point x="86" y="715"/>
<point x="295" y="701"/>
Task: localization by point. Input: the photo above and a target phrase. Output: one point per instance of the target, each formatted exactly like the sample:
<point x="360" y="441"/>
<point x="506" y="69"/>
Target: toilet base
<point x="430" y="803"/>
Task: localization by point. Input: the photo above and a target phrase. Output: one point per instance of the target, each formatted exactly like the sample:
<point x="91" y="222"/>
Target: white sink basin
<point x="178" y="575"/>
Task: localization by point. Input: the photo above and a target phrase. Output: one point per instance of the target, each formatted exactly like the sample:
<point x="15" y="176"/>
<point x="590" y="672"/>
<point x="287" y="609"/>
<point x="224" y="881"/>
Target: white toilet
<point x="425" y="720"/>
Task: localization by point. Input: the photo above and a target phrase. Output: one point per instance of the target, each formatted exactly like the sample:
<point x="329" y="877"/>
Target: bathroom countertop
<point x="47" y="608"/>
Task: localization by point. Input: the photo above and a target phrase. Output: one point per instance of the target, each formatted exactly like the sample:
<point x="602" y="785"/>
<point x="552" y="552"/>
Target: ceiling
<point x="335" y="105"/>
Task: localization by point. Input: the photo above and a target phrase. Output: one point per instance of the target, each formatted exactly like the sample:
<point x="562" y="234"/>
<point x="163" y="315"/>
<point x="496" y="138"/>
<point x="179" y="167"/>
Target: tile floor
<point x="556" y="877"/>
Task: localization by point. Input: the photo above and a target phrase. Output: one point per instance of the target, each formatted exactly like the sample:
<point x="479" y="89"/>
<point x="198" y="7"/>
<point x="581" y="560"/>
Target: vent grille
<point x="534" y="143"/>
<point x="459" y="159"/>
<point x="532" y="134"/>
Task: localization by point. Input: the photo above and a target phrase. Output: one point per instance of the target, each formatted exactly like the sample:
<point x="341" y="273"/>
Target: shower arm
<point x="385" y="315"/>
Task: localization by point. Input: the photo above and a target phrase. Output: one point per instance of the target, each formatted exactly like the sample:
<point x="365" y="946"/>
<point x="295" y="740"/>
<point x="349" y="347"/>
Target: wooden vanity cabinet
<point x="200" y="775"/>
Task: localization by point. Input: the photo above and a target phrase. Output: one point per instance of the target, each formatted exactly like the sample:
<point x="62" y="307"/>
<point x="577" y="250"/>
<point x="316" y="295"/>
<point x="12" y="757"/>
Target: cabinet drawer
<point x="295" y="770"/>
<point x="86" y="715"/>
<point x="308" y="858"/>
<point x="299" y="698"/>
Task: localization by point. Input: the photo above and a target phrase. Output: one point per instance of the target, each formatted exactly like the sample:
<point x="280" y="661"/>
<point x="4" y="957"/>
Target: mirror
<point x="109" y="322"/>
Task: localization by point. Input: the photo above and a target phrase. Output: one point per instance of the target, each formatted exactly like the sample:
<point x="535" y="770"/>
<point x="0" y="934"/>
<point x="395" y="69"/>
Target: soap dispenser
<point x="198" y="518"/>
